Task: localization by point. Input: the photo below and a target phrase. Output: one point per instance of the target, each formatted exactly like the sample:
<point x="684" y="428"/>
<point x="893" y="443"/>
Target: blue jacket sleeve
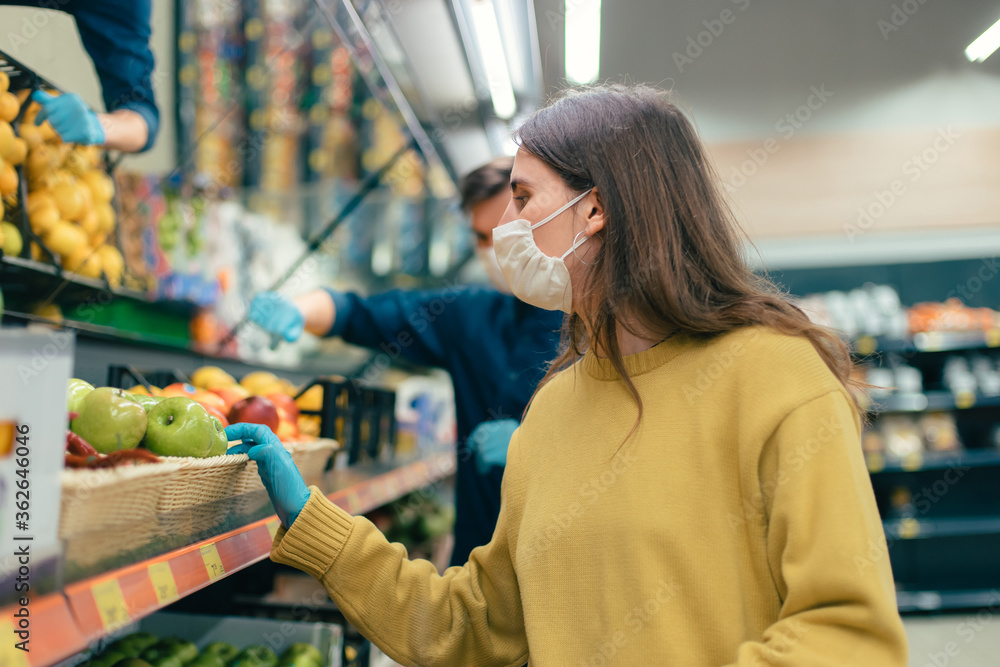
<point x="116" y="35"/>
<point x="417" y="326"/>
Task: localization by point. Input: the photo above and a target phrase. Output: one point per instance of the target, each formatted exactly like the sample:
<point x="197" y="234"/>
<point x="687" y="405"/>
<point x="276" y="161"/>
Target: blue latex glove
<point x="278" y="315"/>
<point x="71" y="118"/>
<point x="283" y="481"/>
<point x="489" y="442"/>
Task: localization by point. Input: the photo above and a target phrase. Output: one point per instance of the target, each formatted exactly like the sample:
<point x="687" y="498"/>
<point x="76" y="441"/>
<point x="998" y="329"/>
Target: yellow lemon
<point x="9" y="106"/>
<point x="68" y="200"/>
<point x="12" y="241"/>
<point x="8" y="179"/>
<point x="105" y="217"/>
<point x="64" y="238"/>
<point x="112" y="263"/>
<point x="43" y="218"/>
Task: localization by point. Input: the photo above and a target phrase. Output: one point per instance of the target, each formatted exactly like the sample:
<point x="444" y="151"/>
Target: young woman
<point x="687" y="486"/>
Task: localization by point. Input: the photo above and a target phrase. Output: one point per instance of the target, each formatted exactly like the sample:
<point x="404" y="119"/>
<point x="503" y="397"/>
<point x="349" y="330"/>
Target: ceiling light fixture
<point x="583" y="40"/>
<point x="985" y="44"/>
<point x="484" y="21"/>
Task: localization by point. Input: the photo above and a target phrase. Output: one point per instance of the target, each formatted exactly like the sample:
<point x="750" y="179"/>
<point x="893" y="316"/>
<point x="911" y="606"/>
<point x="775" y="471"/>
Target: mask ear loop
<point x="575" y="246"/>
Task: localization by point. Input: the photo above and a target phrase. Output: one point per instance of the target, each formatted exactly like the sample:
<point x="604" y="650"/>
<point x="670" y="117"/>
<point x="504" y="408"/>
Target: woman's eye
<point x="520" y="201"/>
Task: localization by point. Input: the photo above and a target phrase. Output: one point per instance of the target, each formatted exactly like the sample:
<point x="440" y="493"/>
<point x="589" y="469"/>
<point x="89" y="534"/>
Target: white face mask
<point x="533" y="276"/>
<point x="488" y="258"/>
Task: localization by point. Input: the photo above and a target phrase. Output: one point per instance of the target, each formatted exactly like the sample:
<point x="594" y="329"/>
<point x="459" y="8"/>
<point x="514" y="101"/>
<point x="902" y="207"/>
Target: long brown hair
<point x="671" y="257"/>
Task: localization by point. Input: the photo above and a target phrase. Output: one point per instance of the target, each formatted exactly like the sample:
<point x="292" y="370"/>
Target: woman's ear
<point x="595" y="212"/>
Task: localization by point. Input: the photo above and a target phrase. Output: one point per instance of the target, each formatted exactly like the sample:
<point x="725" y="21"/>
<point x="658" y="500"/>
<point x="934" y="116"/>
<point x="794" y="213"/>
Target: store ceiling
<point x="769" y="55"/>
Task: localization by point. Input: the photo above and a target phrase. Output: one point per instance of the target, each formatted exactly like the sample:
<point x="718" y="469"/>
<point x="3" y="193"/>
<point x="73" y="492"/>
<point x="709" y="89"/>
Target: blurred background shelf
<point x="920" y="462"/>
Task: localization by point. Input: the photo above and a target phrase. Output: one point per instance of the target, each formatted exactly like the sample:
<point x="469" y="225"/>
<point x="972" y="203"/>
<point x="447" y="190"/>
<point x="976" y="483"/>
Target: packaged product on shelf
<point x="939" y="432"/>
<point x="958" y="378"/>
<point x="908" y="380"/>
<point x="952" y="315"/>
<point x="987" y="375"/>
<point x="900" y="436"/>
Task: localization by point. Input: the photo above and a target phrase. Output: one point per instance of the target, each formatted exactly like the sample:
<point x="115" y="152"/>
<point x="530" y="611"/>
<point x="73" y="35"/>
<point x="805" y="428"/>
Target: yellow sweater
<point x="738" y="527"/>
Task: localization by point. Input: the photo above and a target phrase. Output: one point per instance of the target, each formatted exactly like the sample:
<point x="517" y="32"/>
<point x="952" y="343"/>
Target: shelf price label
<point x="163" y="582"/>
<point x="272" y="527"/>
<point x="909" y="528"/>
<point x="912" y="461"/>
<point x="965" y="399"/>
<point x="865" y="345"/>
<point x="993" y="338"/>
<point x="213" y="562"/>
<point x="110" y="604"/>
<point x="875" y="461"/>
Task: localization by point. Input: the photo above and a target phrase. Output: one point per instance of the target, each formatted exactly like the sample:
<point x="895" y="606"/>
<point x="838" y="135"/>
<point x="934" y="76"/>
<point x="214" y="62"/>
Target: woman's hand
<point x="284" y="484"/>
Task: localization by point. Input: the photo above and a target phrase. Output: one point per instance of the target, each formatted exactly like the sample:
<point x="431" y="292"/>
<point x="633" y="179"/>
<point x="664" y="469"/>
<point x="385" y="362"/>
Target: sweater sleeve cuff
<point x="341" y="312"/>
<point x="316" y="537"/>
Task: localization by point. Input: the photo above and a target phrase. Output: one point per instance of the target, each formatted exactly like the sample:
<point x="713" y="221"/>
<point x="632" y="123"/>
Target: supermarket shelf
<point x="43" y="279"/>
<point x="166" y="352"/>
<point x="930" y="341"/>
<point x="974" y="458"/>
<point x="933" y="400"/>
<point x="918" y="601"/>
<point x="65" y="623"/>
<point x="919" y="529"/>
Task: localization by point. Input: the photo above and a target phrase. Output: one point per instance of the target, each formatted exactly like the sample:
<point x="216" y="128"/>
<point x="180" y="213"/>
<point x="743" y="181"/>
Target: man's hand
<point x="278" y="315"/>
<point x="282" y="479"/>
<point x="489" y="442"/>
<point x="70" y="117"/>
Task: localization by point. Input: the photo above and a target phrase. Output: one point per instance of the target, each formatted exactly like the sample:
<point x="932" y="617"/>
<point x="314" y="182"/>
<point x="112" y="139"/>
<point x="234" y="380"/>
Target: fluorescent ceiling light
<point x="484" y="20"/>
<point x="985" y="44"/>
<point x="583" y="40"/>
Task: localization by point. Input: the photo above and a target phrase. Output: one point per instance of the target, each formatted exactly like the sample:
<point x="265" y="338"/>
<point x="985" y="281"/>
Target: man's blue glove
<point x="71" y="118"/>
<point x="283" y="481"/>
<point x="278" y="315"/>
<point x="489" y="442"/>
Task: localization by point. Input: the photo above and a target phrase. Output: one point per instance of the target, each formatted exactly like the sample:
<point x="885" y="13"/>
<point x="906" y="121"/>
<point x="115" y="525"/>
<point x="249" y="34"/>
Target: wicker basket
<point x="200" y="481"/>
<point x="96" y="499"/>
<point x="310" y="458"/>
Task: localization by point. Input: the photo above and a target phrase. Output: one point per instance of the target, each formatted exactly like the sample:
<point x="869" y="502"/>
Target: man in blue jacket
<point x="115" y="34"/>
<point x="495" y="347"/>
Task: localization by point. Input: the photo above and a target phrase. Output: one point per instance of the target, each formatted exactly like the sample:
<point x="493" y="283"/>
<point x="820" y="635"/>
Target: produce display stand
<point x="84" y="611"/>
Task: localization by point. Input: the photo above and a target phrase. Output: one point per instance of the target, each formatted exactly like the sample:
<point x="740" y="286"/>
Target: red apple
<point x="287" y="409"/>
<point x="255" y="410"/>
<point x="230" y="395"/>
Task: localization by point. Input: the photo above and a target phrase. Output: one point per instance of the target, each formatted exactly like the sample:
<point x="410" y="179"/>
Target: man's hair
<point x="485" y="182"/>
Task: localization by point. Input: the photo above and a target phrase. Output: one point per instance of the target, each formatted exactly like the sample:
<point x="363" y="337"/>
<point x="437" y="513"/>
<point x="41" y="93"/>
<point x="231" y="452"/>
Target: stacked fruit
<point x="13" y="152"/>
<point x="69" y="194"/>
<point x="111" y="420"/>
<point x="259" y="398"/>
<point x="143" y="649"/>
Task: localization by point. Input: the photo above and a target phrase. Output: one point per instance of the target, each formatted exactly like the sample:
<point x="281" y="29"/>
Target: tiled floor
<point x="962" y="640"/>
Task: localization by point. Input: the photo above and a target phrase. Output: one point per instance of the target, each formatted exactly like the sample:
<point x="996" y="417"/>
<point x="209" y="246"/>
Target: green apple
<point x="147" y="402"/>
<point x="226" y="652"/>
<point x="109" y="421"/>
<point x="301" y="649"/>
<point x="179" y="426"/>
<point x="76" y="389"/>
<point x="221" y="442"/>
